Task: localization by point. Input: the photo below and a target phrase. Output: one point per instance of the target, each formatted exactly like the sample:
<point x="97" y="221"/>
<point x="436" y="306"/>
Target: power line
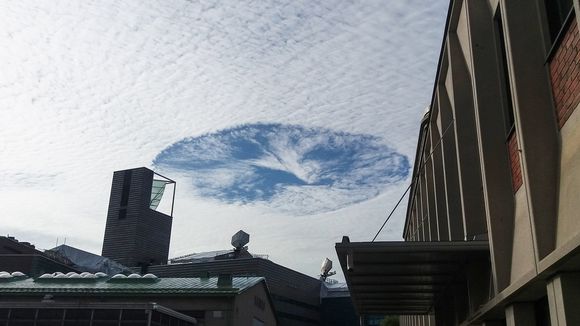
<point x="421" y="166"/>
<point x="392" y="211"/>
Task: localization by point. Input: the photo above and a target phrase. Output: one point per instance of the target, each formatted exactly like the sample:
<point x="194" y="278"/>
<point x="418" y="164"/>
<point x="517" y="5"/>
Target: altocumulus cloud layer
<point x="295" y="169"/>
<point x="90" y="87"/>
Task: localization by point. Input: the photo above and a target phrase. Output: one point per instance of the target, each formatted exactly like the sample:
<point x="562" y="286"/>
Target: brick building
<point x="492" y="231"/>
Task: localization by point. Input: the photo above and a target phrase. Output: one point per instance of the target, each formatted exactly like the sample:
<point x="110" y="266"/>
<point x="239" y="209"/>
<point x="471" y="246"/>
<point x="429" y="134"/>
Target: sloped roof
<point x="130" y="287"/>
<point x="86" y="261"/>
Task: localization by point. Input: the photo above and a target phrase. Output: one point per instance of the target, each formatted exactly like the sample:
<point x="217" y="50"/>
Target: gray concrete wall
<point x="522" y="251"/>
<point x="569" y="203"/>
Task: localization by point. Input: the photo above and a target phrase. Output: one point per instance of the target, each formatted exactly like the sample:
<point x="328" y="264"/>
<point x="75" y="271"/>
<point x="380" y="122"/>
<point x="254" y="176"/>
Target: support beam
<point x="520" y="314"/>
<point x="470" y="184"/>
<point x="451" y="175"/>
<point x="439" y="179"/>
<point x="564" y="299"/>
<point x="495" y="166"/>
<point x="535" y="118"/>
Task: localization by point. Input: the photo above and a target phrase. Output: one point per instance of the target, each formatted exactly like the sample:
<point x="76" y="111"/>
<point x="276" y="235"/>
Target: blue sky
<point x="300" y="171"/>
<point x="293" y="120"/>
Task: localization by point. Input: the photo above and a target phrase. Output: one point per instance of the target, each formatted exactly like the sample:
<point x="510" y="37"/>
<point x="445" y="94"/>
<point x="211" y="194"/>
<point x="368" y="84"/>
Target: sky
<point x="296" y="121"/>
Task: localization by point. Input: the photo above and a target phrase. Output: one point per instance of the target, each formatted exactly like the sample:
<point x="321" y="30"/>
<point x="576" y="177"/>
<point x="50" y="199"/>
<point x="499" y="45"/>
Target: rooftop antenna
<point x="325" y="269"/>
<point x="240" y="239"/>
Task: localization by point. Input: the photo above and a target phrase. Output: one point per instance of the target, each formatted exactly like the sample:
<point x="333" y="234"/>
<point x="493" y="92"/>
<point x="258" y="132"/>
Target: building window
<point x="125" y="194"/>
<point x="507" y="103"/>
<point x="506" y="94"/>
<point x="126" y="187"/>
<point x="557" y="12"/>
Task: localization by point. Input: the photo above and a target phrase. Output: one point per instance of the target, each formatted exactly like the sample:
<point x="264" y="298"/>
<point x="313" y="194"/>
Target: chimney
<point x="224" y="280"/>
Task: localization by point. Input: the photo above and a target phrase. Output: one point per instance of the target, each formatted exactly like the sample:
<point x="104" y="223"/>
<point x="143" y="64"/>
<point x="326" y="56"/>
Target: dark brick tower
<point x="136" y="234"/>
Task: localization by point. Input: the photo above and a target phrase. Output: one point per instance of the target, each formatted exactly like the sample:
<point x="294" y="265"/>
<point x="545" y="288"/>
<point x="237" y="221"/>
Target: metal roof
<point x="161" y="286"/>
<point x="397" y="277"/>
<point x="86" y="261"/>
<point x="200" y="256"/>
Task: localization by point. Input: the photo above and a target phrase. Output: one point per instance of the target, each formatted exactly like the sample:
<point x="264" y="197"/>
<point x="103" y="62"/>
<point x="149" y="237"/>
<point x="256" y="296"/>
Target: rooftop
<point x="124" y="285"/>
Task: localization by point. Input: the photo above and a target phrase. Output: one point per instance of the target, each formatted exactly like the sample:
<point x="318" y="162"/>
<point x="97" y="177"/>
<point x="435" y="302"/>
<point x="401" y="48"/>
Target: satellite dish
<point x="325" y="269"/>
<point x="326" y="266"/>
<point x="240" y="239"/>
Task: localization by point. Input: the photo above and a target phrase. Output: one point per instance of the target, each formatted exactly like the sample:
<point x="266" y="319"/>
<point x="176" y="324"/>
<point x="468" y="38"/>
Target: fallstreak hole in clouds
<point x="290" y="168"/>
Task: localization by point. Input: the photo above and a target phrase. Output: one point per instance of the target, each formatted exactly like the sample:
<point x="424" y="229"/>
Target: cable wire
<point x="421" y="166"/>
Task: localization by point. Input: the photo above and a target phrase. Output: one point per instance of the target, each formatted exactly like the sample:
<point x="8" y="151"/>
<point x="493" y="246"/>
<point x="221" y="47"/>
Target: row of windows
<point x="79" y="317"/>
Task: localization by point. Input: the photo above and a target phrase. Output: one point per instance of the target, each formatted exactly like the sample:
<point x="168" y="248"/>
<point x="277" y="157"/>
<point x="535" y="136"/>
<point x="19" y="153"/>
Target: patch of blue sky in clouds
<point x="263" y="162"/>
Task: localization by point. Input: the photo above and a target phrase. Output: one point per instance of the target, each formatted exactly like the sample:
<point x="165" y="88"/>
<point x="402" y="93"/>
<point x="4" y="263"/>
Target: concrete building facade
<point x="497" y="163"/>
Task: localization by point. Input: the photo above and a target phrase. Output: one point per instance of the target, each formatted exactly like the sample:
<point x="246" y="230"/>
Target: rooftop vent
<point x="88" y="275"/>
<point x="120" y="278"/>
<point x="7" y="276"/>
<point x="68" y="277"/>
<point x="224" y="280"/>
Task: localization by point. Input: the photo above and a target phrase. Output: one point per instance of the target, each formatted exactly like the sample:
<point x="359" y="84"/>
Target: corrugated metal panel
<point x="173" y="286"/>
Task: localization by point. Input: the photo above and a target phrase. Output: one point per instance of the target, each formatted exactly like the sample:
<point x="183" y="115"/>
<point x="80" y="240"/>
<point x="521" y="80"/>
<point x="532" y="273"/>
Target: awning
<point x="403" y="278"/>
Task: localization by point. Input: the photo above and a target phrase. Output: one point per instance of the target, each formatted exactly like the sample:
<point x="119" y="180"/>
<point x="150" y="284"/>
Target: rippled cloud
<point x="91" y="87"/>
<point x="288" y="167"/>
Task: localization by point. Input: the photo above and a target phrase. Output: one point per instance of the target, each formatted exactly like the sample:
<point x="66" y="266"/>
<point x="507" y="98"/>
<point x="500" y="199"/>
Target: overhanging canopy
<point x="403" y="278"/>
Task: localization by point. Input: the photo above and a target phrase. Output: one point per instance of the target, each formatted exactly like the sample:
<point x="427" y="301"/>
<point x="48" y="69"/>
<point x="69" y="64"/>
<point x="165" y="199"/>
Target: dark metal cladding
<point x="135" y="235"/>
<point x="296" y="297"/>
<point x="23" y="257"/>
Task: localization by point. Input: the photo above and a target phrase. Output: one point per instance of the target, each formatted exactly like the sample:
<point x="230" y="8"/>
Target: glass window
<point x="557" y="11"/>
<point x="503" y="73"/>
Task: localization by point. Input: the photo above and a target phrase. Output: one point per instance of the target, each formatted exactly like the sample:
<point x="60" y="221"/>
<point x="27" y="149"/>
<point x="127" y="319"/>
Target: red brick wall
<point x="565" y="74"/>
<point x="514" y="157"/>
